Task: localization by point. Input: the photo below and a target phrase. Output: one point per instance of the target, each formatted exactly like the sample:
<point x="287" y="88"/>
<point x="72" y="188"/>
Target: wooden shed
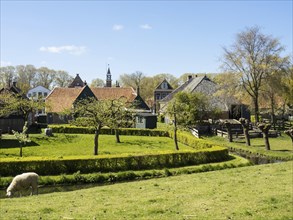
<point x="145" y="120"/>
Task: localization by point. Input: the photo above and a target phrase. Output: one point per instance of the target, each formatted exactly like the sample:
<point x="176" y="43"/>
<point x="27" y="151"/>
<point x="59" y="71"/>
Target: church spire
<point x="108" y="78"/>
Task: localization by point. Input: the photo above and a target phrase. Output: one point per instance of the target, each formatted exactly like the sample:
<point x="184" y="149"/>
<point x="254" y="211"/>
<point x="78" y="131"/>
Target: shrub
<point x="125" y="131"/>
<point x="110" y="163"/>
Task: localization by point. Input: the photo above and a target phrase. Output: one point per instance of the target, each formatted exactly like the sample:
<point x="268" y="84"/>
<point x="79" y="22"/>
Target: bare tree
<point x="254" y="55"/>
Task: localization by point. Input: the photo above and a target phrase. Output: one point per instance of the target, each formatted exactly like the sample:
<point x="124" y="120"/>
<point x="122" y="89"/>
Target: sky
<point x="153" y="37"/>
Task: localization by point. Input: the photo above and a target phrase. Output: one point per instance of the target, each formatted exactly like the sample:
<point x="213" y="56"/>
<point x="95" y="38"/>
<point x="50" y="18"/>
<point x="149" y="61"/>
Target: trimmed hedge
<point x="188" y="139"/>
<point x="108" y="131"/>
<point x="113" y="163"/>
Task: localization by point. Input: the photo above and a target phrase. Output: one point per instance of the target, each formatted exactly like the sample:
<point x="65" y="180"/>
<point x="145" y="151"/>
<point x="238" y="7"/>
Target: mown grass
<point x="255" y="192"/>
<point x="280" y="147"/>
<point x="61" y="145"/>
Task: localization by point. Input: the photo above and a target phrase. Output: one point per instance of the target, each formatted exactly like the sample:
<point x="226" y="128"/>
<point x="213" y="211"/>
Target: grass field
<point x="280" y="146"/>
<point x="61" y="145"/>
<point x="255" y="192"/>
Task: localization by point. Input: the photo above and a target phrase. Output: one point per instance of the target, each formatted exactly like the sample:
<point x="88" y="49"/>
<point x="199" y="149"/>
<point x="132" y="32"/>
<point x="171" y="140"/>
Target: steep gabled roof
<point x="13" y="89"/>
<point x="77" y="82"/>
<point x="159" y="87"/>
<point x="114" y="93"/>
<point x="61" y="99"/>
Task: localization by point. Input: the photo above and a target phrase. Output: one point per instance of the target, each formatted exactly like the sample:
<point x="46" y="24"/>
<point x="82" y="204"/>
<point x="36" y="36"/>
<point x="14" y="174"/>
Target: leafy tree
<point x="16" y="104"/>
<point x="97" y="83"/>
<point x="7" y="74"/>
<point x="188" y="109"/>
<point x="228" y="87"/>
<point x="22" y="137"/>
<point x="25" y="77"/>
<point x="62" y="78"/>
<point x="254" y="55"/>
<point x="45" y="77"/>
<point x="118" y="116"/>
<point x="95" y="113"/>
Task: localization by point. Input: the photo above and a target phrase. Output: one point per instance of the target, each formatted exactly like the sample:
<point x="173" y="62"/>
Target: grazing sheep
<point x="23" y="181"/>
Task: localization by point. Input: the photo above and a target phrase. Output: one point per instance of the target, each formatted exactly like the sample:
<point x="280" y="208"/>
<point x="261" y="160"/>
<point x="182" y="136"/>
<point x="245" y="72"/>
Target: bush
<point x="110" y="163"/>
<point x="108" y="131"/>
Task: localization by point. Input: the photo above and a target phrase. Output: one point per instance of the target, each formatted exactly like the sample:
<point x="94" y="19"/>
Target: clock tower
<point x="108" y="78"/>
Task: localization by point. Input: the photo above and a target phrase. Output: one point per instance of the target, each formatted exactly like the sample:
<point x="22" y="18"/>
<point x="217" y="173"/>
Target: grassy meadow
<point x="280" y="146"/>
<point x="254" y="192"/>
<point x="62" y="145"/>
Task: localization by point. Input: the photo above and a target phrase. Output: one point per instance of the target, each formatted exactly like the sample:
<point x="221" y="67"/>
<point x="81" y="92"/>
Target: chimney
<point x="117" y="84"/>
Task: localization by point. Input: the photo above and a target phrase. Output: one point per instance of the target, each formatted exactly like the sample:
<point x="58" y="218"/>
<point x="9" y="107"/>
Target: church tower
<point x="108" y="78"/>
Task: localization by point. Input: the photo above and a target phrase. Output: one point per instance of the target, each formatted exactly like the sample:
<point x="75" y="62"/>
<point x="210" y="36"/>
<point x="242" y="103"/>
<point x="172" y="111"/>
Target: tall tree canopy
<point x="28" y="77"/>
<point x="254" y="55"/>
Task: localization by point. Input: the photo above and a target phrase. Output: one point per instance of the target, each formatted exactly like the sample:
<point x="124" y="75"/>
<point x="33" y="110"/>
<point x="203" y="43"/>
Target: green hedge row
<point x="108" y="131"/>
<point x="113" y="163"/>
<point x="188" y="139"/>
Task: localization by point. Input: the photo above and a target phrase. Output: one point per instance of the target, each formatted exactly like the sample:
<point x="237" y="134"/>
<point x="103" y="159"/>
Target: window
<point x="39" y="94"/>
<point x="34" y="94"/>
<point x="45" y="94"/>
<point x="158" y="97"/>
<point x="164" y="85"/>
<point x="139" y="119"/>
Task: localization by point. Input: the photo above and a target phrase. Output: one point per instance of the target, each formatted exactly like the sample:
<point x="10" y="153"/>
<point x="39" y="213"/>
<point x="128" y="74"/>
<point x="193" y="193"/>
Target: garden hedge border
<point x="113" y="163"/>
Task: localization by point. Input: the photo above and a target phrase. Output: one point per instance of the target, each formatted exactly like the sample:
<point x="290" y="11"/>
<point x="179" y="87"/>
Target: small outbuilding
<point x="145" y="120"/>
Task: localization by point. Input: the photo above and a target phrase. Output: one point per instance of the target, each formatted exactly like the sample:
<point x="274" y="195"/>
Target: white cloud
<point x="146" y="27"/>
<point x="118" y="27"/>
<point x="5" y="63"/>
<point x="71" y="49"/>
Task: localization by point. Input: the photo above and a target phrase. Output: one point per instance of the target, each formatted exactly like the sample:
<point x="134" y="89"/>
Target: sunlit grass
<point x="255" y="192"/>
<point x="83" y="144"/>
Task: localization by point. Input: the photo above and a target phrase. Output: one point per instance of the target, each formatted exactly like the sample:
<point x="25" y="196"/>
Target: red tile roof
<point x="114" y="93"/>
<point x="61" y="99"/>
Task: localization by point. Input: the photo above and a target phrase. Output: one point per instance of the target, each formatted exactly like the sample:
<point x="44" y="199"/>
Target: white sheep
<point x="22" y="182"/>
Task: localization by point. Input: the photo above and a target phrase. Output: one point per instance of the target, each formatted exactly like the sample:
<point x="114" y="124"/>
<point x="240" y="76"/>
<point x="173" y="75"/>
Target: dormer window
<point x="164" y="85"/>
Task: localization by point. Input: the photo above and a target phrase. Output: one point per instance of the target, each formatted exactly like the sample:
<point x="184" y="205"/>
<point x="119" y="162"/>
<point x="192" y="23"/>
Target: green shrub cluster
<point x="124" y="131"/>
<point x="113" y="163"/>
<point x="188" y="139"/>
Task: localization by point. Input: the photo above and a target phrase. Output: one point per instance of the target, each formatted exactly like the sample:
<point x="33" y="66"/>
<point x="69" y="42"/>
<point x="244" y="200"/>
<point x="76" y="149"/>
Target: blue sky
<point x="154" y="37"/>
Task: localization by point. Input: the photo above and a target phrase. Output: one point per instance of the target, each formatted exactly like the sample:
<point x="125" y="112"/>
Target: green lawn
<point x="255" y="192"/>
<point x="61" y="145"/>
<point x="280" y="146"/>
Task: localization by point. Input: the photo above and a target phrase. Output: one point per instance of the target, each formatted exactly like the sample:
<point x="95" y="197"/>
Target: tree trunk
<point x="256" y="109"/>
<point x="265" y="132"/>
<point x="96" y="141"/>
<point x="266" y="139"/>
<point x="247" y="138"/>
<point x="175" y="132"/>
<point x="228" y="126"/>
<point x="245" y="126"/>
<point x="273" y="118"/>
<point x="20" y="149"/>
<point x="117" y="136"/>
<point x="290" y="134"/>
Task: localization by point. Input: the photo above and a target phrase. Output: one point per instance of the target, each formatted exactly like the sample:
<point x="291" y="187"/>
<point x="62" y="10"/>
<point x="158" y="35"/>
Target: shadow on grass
<point x="15" y="144"/>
